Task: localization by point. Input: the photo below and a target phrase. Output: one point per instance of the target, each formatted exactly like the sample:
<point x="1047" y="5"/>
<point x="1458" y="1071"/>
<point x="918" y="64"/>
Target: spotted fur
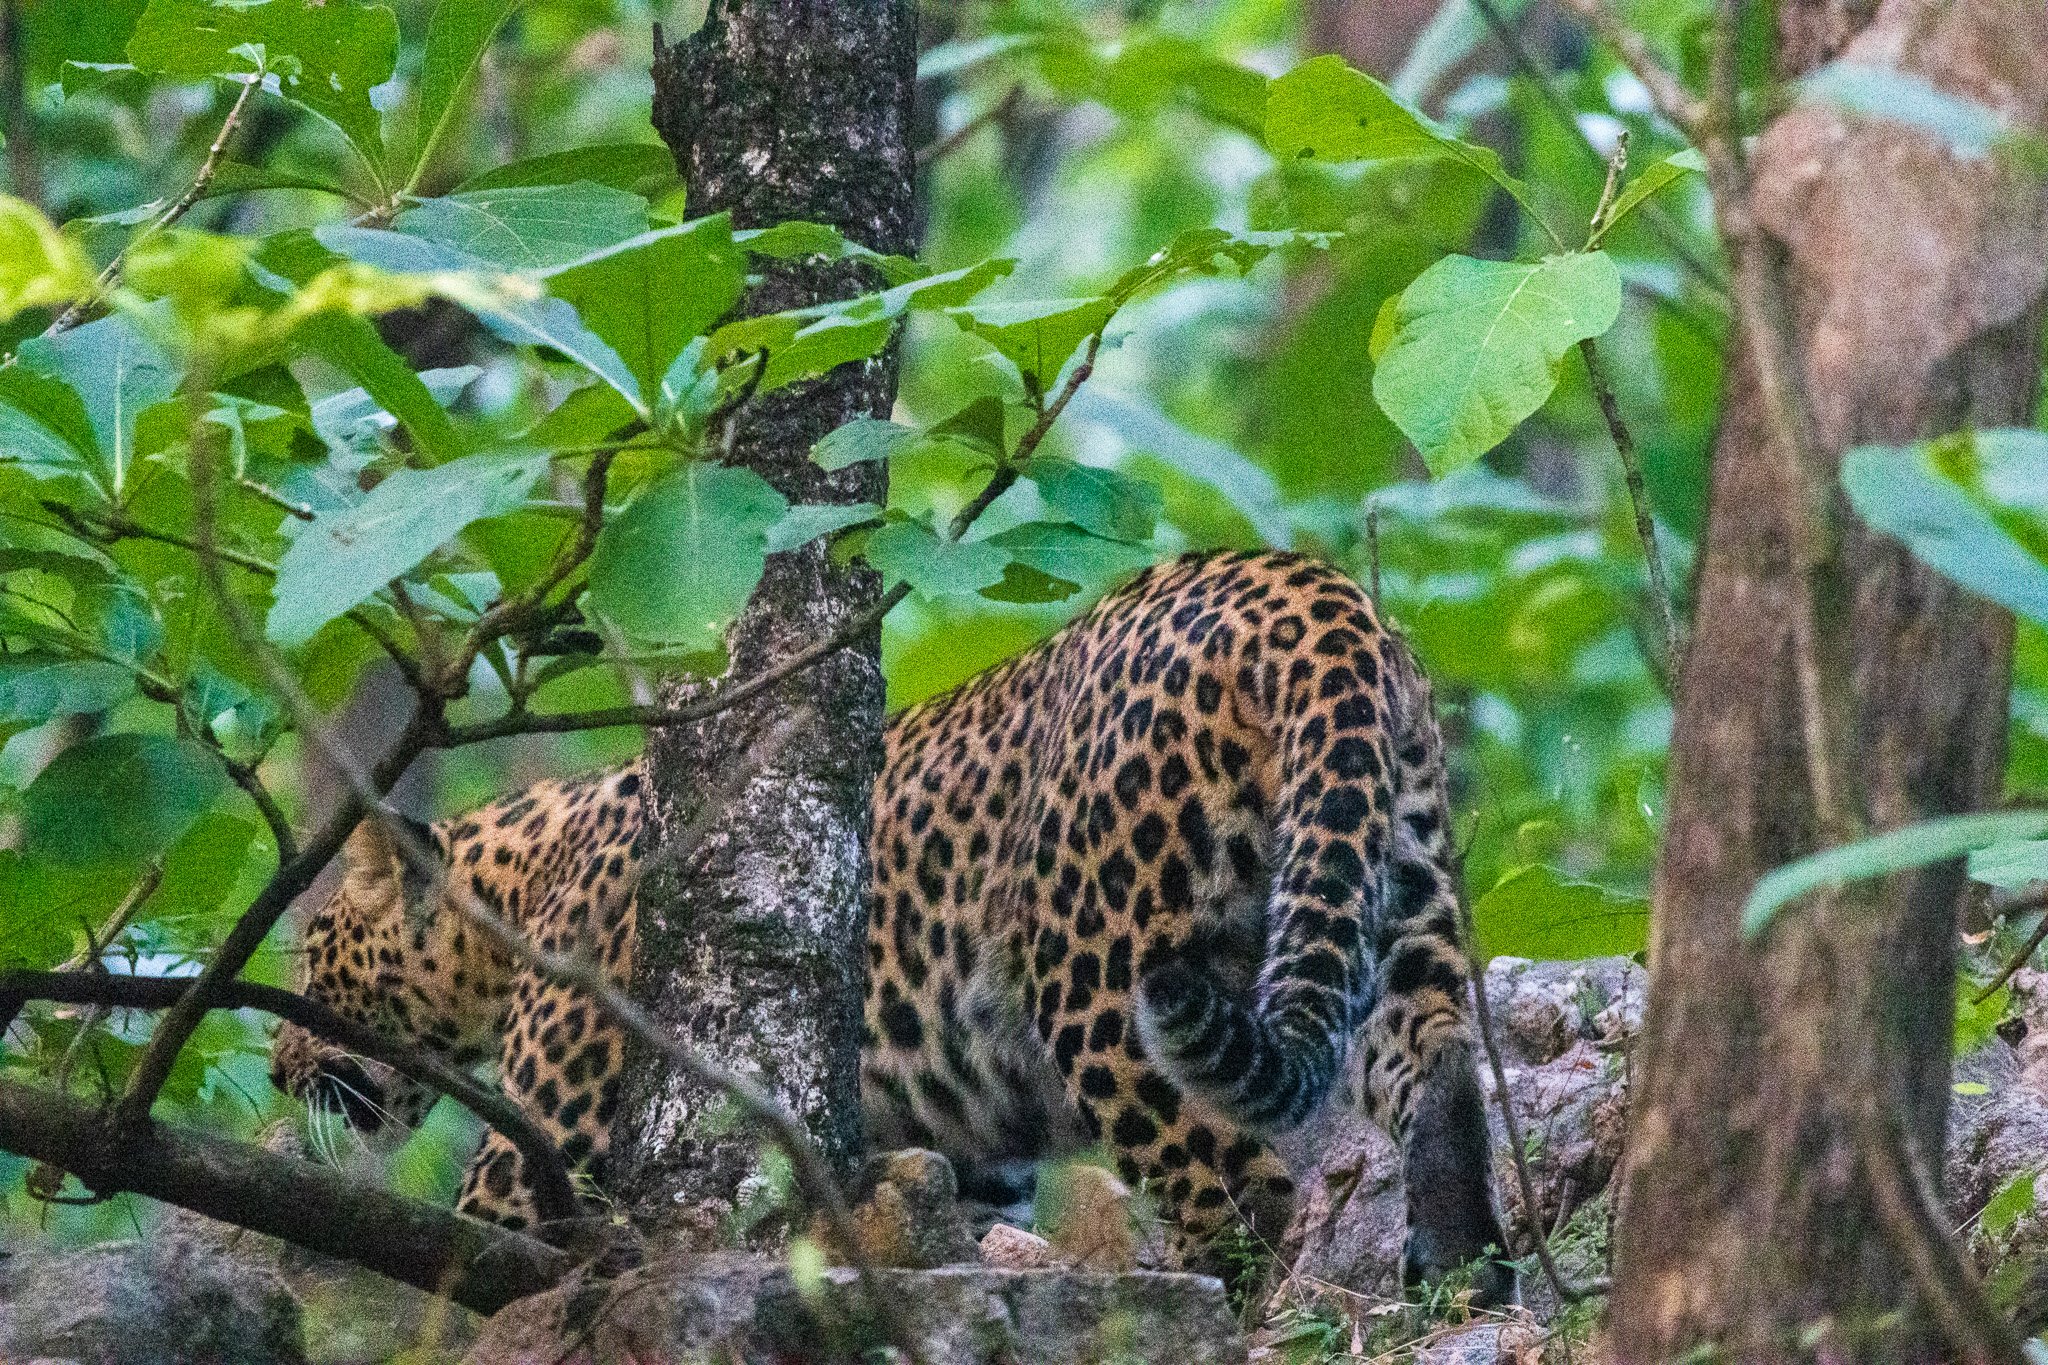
<point x="1159" y="883"/>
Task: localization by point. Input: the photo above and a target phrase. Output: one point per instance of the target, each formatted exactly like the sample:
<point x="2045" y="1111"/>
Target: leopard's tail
<point x="1268" y="1063"/>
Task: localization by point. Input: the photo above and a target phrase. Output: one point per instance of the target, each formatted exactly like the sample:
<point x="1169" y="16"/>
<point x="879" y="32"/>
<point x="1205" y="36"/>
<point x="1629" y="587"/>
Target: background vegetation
<point x="486" y="193"/>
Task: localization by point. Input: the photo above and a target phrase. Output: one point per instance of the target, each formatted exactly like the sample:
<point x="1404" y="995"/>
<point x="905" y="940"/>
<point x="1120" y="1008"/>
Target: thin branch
<point x="477" y="1264"/>
<point x="934" y="152"/>
<point x="208" y="168"/>
<point x="554" y="1194"/>
<point x="1639" y="500"/>
<point x="2037" y="901"/>
<point x="1526" y="1183"/>
<point x="1910" y="1212"/>
<point x="1668" y="231"/>
<point x="1672" y="98"/>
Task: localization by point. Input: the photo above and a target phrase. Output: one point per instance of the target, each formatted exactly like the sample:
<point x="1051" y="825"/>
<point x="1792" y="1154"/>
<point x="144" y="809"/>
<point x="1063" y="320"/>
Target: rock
<point x="1015" y="1249"/>
<point x="733" y="1307"/>
<point x="907" y="1213"/>
<point x="1093" y="1221"/>
<point x="142" y="1303"/>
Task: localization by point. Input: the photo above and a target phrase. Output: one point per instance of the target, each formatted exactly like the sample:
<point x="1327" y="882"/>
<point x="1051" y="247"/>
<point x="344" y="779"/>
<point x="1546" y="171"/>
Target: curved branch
<point x="474" y="1263"/>
<point x="553" y="1192"/>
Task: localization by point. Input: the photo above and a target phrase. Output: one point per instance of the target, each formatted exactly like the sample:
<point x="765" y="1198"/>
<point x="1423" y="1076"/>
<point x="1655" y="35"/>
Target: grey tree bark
<point x="752" y="950"/>
<point x="1760" y="1214"/>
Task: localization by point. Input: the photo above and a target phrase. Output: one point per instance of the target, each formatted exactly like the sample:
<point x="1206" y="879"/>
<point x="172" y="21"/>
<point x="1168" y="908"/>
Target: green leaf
<point x="1112" y="505"/>
<point x="648" y="296"/>
<point x="805" y="522"/>
<point x="1963" y="530"/>
<point x="1066" y="553"/>
<point x="805" y="342"/>
<point x="43" y="422"/>
<point x="1037" y="337"/>
<point x="677" y="566"/>
<point x="35" y="687"/>
<point x="862" y="440"/>
<point x="2010" y="866"/>
<point x="35" y="918"/>
<point x="1899" y="850"/>
<point x="1471" y="348"/>
<point x="39" y="266"/>
<point x="327" y="55"/>
<point x="2011" y="1202"/>
<point x="528" y="227"/>
<point x="1969" y="129"/>
<point x="909" y="551"/>
<point x="458" y="37"/>
<point x="343" y="558"/>
<point x="621" y="165"/>
<point x="1324" y="110"/>
<point x="116" y="797"/>
<point x="1658" y="178"/>
<point x="1538" y="912"/>
<point x="118" y="372"/>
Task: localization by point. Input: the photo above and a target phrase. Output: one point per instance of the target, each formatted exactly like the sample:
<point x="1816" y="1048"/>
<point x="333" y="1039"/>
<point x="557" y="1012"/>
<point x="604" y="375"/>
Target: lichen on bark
<point x="750" y="949"/>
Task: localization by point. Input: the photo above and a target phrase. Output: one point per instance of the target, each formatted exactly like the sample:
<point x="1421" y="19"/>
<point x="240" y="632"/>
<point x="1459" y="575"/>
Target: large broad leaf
<point x="909" y="551"/>
<point x="35" y="687"/>
<point x="353" y="346"/>
<point x="118" y="797"/>
<point x="39" y="266"/>
<point x="324" y="54"/>
<point x="647" y="297"/>
<point x="118" y="372"/>
<point x="519" y="318"/>
<point x="678" y="565"/>
<point x="1537" y="912"/>
<point x="1963" y="504"/>
<point x="36" y="913"/>
<point x="43" y="423"/>
<point x="621" y="165"/>
<point x="805" y="342"/>
<point x="1112" y="505"/>
<point x="457" y="38"/>
<point x="341" y="559"/>
<point x="1069" y="554"/>
<point x="1037" y="337"/>
<point x="2009" y="866"/>
<point x="1324" y="110"/>
<point x="1899" y="850"/>
<point x="530" y="227"/>
<point x="1471" y="348"/>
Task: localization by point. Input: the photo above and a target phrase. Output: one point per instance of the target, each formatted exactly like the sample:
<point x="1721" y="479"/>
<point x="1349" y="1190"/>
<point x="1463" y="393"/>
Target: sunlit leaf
<point x="1538" y="912"/>
<point x="1899" y="850"/>
<point x="1037" y="337"/>
<point x="39" y="266"/>
<point x="1659" y="177"/>
<point x="1472" y="347"/>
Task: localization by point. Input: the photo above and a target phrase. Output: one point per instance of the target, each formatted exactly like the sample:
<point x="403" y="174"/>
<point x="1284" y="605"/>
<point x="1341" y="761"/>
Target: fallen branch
<point x="478" y="1265"/>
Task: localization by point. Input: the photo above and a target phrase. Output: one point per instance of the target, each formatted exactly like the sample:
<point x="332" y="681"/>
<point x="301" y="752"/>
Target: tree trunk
<point x="1749" y="1216"/>
<point x="752" y="950"/>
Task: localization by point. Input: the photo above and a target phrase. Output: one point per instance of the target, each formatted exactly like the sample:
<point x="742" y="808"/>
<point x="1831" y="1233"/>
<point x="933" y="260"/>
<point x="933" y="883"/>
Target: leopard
<point x="1174" y="885"/>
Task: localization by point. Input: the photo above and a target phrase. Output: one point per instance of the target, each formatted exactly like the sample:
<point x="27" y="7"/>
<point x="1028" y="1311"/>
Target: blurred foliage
<point x="442" y="258"/>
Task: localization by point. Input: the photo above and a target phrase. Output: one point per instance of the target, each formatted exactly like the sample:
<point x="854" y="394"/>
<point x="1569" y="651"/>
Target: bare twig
<point x="1673" y="99"/>
<point x="208" y="168"/>
<point x="1517" y="1154"/>
<point x="1668" y="231"/>
<point x="1639" y="500"/>
<point x="1911" y="1214"/>
<point x="934" y="152"/>
<point x="2037" y="901"/>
